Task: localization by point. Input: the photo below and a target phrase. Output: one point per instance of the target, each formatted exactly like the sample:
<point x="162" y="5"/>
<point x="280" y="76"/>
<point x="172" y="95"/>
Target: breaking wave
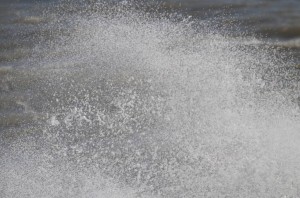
<point x="128" y="101"/>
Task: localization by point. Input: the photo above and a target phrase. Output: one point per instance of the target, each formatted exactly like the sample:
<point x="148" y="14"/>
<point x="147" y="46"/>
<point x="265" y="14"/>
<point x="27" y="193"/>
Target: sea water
<point x="119" y="100"/>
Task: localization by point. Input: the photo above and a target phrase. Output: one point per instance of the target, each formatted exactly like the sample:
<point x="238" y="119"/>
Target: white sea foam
<point x="139" y="104"/>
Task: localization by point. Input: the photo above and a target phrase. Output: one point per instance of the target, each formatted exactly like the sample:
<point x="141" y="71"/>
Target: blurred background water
<point x="277" y="21"/>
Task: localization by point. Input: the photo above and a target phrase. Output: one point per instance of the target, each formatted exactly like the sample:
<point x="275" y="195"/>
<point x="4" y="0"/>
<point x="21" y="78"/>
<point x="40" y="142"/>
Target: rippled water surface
<point x="131" y="99"/>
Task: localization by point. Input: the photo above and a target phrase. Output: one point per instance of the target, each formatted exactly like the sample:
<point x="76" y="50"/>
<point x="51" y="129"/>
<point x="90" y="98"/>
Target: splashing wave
<point x="129" y="102"/>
